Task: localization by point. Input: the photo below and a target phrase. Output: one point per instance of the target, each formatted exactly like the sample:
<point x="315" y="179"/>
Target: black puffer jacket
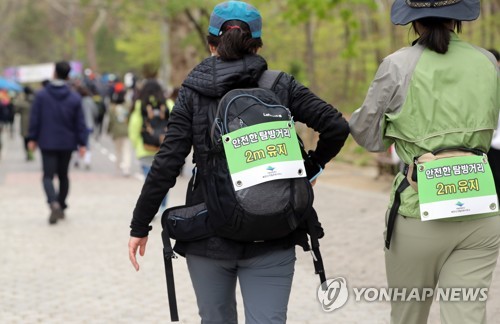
<point x="188" y="126"/>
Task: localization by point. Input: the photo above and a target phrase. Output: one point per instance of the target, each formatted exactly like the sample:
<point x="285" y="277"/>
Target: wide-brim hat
<point x="406" y="11"/>
<point x="235" y="10"/>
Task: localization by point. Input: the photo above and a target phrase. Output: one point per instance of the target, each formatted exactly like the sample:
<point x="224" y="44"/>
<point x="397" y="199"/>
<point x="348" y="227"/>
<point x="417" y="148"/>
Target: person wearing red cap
<point x="118" y="129"/>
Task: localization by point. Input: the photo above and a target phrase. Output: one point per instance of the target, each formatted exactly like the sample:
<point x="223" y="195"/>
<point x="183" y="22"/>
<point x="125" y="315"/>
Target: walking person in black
<point x="57" y="127"/>
<point x="264" y="269"/>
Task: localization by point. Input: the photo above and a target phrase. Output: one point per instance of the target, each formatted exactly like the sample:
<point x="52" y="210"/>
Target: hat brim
<point x="402" y="14"/>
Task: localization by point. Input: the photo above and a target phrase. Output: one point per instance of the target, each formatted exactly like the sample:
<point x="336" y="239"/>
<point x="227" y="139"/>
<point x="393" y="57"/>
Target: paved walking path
<point x="78" y="270"/>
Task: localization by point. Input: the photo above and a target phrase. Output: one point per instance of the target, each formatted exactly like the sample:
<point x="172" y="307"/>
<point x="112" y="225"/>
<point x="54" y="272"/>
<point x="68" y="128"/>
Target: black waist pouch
<point x="187" y="223"/>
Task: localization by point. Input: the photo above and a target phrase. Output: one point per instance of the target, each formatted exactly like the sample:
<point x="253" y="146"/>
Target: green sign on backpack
<point x="263" y="152"/>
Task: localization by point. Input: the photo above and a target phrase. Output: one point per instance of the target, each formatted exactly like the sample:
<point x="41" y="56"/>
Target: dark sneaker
<point x="62" y="215"/>
<point x="56" y="213"/>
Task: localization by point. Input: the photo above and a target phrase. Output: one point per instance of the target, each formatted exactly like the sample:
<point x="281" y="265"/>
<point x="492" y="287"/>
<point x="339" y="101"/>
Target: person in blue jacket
<point x="57" y="127"/>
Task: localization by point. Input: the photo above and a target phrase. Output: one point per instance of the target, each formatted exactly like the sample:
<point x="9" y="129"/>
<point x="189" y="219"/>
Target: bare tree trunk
<point x="196" y="21"/>
<point x="378" y="32"/>
<point x="366" y="18"/>
<point x="309" y="136"/>
<point x="183" y="56"/>
<point x="389" y="30"/>
<point x="495" y="24"/>
<point x="91" y="52"/>
<point x="70" y="52"/>
<point x="485" y="14"/>
<point x="347" y="64"/>
<point x="165" y="53"/>
<point x="7" y="8"/>
<point x="90" y="39"/>
<point x="310" y="53"/>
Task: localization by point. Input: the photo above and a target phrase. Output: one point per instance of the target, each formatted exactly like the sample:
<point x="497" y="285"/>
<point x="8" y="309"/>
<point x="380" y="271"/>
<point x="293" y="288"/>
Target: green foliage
<point x="350" y="31"/>
<point x="85" y="3"/>
<point x="300" y="11"/>
<point x="79" y="39"/>
<point x="350" y="37"/>
<point x="142" y="45"/>
<point x="297" y="70"/>
<point x="141" y="41"/>
<point x="26" y="31"/>
<point x="110" y="56"/>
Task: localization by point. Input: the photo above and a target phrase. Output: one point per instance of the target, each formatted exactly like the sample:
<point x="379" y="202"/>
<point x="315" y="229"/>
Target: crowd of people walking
<point x="63" y="116"/>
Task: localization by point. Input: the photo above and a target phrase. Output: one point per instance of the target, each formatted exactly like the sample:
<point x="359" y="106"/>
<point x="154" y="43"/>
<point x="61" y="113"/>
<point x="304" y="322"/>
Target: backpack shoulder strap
<point x="269" y="79"/>
<point x="168" y="255"/>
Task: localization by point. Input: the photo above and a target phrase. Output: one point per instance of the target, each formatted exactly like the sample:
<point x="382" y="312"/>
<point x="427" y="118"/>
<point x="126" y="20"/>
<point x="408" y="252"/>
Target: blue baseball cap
<point x="235" y="10"/>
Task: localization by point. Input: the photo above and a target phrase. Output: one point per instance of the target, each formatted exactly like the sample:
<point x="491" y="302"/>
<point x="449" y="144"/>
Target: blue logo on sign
<point x="270" y="168"/>
<point x="459" y="204"/>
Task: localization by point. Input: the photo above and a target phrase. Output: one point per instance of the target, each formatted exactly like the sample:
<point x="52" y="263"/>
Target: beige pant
<point x="451" y="254"/>
<point x="123" y="154"/>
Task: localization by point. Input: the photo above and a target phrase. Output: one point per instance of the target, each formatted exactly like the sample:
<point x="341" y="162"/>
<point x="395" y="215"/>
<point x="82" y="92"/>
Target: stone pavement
<point x="78" y="270"/>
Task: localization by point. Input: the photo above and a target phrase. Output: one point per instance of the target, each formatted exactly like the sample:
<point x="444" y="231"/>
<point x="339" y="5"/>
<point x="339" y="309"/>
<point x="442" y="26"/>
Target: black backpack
<point x="267" y="210"/>
<point x="267" y="201"/>
<point x="154" y="124"/>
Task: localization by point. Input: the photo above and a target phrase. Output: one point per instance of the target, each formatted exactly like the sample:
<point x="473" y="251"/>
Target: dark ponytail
<point x="436" y="35"/>
<point x="235" y="42"/>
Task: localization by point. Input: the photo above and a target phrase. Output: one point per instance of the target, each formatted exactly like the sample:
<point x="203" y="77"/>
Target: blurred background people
<point x="22" y="106"/>
<point x="90" y="113"/>
<point x="118" y="129"/>
<point x="150" y="105"/>
<point x="7" y="113"/>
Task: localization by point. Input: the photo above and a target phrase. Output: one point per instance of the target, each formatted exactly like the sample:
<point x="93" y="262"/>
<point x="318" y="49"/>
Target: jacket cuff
<point x="314" y="158"/>
<point x="140" y="232"/>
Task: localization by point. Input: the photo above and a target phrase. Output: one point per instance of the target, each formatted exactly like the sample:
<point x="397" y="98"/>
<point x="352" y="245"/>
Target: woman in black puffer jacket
<point x="264" y="269"/>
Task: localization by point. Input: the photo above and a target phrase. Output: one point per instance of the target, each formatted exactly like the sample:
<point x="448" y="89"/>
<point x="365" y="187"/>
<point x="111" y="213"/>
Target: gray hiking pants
<point x="265" y="283"/>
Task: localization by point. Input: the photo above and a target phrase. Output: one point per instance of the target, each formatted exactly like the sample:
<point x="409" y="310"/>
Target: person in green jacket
<point x="439" y="94"/>
<point x="150" y="95"/>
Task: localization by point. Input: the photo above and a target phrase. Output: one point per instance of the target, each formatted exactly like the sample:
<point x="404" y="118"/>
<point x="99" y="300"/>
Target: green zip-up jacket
<point x="134" y="132"/>
<point x="421" y="101"/>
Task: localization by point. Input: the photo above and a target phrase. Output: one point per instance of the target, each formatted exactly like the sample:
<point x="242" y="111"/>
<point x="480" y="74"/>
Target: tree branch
<point x="58" y="7"/>
<point x="198" y="27"/>
<point x="101" y="18"/>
